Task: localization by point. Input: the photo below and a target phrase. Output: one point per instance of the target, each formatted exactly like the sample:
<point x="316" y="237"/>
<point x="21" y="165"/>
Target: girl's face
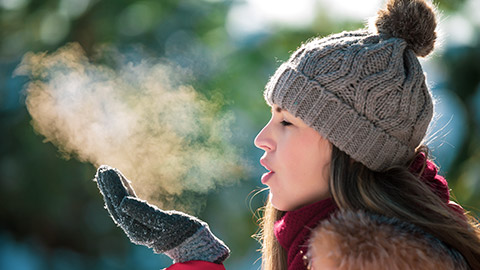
<point x="298" y="160"/>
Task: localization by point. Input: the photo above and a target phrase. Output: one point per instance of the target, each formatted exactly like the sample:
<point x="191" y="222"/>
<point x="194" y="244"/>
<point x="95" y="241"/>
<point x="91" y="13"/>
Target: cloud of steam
<point x="164" y="136"/>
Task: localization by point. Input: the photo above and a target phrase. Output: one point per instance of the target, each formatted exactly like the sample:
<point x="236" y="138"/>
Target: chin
<point x="280" y="206"/>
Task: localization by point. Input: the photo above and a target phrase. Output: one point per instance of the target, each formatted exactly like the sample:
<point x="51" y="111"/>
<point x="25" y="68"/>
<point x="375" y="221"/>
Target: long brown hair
<point x="395" y="192"/>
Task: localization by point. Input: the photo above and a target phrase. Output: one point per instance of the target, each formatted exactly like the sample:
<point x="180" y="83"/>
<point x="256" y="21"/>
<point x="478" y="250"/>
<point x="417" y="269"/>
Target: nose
<point x="264" y="139"/>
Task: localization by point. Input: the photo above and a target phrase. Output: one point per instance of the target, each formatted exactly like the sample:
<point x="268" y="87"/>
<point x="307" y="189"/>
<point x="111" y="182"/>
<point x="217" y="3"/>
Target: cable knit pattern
<point x="364" y="92"/>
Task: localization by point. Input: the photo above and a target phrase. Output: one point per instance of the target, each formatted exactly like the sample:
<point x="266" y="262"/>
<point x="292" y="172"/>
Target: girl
<point x="349" y="180"/>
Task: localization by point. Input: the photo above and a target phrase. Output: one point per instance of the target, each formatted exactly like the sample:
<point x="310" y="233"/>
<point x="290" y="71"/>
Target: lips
<point x="268" y="175"/>
<point x="265" y="165"/>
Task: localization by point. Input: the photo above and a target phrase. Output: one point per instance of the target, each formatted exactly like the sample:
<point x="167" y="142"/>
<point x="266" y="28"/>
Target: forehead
<point x="275" y="109"/>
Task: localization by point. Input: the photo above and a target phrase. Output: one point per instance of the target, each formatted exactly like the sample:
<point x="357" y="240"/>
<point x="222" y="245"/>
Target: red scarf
<point x="436" y="182"/>
<point x="293" y="229"/>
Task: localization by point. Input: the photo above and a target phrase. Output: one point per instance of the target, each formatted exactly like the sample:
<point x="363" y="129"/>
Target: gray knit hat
<point x="364" y="91"/>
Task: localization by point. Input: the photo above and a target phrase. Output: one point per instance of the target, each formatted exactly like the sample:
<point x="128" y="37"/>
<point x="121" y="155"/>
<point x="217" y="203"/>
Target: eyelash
<point x="285" y="123"/>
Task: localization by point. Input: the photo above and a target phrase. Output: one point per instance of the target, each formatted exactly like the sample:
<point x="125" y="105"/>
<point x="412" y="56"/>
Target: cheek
<point x="308" y="157"/>
<point x="309" y="168"/>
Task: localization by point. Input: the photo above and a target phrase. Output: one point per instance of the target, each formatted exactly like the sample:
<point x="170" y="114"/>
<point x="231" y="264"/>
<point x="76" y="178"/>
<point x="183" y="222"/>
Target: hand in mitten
<point x="180" y="236"/>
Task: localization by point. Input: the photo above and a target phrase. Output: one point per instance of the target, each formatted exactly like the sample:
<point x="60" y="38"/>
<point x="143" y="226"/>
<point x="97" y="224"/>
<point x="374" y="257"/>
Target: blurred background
<point x="51" y="213"/>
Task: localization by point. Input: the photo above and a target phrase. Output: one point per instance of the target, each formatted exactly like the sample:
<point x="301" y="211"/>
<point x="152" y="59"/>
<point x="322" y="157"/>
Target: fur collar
<point x="359" y="240"/>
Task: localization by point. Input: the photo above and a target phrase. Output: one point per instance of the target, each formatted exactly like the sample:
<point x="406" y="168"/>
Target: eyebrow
<point x="278" y="109"/>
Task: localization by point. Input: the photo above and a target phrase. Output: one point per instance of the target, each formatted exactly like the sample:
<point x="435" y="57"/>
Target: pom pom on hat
<point x="412" y="20"/>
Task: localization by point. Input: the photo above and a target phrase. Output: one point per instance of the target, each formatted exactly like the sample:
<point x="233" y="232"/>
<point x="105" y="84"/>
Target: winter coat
<point x="358" y="240"/>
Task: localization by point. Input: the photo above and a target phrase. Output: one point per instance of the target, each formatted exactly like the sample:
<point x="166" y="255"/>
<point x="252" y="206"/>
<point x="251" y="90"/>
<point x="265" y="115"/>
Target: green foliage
<point x="52" y="202"/>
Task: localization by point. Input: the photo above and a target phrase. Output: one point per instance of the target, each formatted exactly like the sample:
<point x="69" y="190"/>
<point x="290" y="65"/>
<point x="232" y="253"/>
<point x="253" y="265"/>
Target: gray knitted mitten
<point x="180" y="236"/>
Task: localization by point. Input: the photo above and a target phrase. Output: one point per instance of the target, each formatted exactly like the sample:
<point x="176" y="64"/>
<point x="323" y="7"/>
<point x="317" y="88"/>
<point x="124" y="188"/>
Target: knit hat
<point x="362" y="90"/>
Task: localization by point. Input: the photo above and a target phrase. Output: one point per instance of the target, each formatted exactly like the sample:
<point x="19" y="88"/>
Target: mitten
<point x="180" y="236"/>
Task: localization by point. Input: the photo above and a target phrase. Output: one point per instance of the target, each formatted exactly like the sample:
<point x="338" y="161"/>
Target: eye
<point x="285" y="123"/>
